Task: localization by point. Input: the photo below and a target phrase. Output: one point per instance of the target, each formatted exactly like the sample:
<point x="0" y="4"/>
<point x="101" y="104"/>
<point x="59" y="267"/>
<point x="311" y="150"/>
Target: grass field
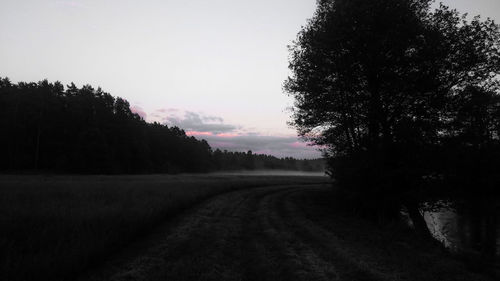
<point x="55" y="226"/>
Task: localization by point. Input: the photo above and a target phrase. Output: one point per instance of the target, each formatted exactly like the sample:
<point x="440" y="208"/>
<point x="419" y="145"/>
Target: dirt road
<point x="272" y="233"/>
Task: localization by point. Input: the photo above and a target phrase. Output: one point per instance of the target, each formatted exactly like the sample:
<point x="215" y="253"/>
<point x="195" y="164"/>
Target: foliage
<point x="401" y="96"/>
<point x="227" y="160"/>
<point x="85" y="130"/>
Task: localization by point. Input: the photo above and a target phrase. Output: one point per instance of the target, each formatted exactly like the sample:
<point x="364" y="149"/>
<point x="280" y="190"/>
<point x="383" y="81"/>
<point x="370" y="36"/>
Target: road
<point x="268" y="233"/>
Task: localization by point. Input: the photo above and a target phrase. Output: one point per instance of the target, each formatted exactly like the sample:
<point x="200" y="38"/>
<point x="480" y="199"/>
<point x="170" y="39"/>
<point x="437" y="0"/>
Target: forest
<point x="50" y="128"/>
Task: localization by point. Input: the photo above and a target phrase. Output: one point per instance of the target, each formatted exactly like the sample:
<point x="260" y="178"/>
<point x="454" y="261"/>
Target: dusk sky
<point x="212" y="67"/>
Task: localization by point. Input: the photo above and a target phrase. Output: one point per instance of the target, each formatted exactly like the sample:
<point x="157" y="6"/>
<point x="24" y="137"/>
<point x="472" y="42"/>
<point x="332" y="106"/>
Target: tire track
<point x="325" y="249"/>
<point x="256" y="234"/>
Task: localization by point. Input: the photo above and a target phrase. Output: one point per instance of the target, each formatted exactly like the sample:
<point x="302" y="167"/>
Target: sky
<point x="212" y="67"/>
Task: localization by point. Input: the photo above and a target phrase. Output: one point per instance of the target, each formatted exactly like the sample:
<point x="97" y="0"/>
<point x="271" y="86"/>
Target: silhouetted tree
<point x="373" y="81"/>
<point x="85" y="130"/>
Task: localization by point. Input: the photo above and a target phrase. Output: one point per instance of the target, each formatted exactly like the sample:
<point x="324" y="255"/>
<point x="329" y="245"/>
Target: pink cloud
<point x="231" y="137"/>
<point x="227" y="135"/>
<point x="196" y="133"/>
<point x="299" y="144"/>
<point x="138" y="110"/>
<point x="220" y="135"/>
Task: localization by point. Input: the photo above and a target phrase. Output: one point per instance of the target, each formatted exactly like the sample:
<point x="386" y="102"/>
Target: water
<point x="470" y="229"/>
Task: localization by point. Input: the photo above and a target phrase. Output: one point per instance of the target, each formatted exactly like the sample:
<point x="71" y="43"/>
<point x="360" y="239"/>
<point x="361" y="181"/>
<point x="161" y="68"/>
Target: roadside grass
<point x="392" y="250"/>
<point x="52" y="227"/>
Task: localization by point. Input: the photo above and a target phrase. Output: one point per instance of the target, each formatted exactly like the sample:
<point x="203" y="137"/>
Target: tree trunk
<point x="489" y="244"/>
<point x="418" y="220"/>
<point x="38" y="134"/>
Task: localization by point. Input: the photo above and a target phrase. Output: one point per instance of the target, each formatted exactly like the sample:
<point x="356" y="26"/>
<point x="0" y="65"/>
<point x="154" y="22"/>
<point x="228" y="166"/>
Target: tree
<point x="86" y="130"/>
<point x="373" y="81"/>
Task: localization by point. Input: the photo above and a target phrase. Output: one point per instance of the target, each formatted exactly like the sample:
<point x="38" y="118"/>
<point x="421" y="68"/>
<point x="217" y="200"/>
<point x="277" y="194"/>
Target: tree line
<point x="51" y="128"/>
<point x="227" y="161"/>
<point x="405" y="98"/>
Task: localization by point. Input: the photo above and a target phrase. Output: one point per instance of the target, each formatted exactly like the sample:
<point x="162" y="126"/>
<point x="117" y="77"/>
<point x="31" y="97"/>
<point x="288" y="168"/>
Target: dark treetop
<point x="48" y="128"/>
<point x="404" y="98"/>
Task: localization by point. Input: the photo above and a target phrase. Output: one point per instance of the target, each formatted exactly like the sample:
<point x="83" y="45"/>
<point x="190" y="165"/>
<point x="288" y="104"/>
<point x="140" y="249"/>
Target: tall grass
<point x="53" y="227"/>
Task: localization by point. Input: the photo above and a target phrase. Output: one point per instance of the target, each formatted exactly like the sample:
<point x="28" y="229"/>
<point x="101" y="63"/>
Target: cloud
<point x="196" y="122"/>
<point x="138" y="110"/>
<point x="231" y="137"/>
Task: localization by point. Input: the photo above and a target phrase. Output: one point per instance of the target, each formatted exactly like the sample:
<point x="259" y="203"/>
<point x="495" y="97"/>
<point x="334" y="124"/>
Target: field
<point x="281" y="233"/>
<point x="56" y="226"/>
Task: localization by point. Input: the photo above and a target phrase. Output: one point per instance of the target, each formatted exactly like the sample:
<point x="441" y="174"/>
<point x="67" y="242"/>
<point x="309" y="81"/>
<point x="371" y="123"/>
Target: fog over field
<point x="272" y="173"/>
